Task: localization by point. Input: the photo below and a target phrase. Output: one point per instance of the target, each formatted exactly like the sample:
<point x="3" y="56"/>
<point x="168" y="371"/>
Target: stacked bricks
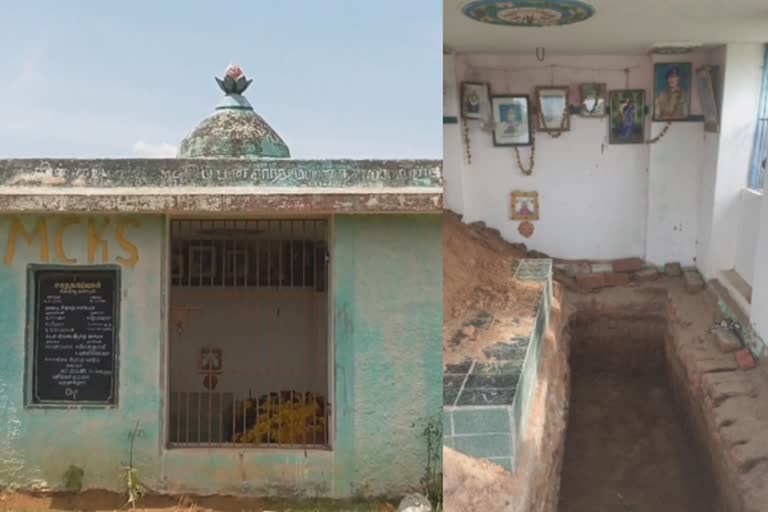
<point x="589" y="276"/>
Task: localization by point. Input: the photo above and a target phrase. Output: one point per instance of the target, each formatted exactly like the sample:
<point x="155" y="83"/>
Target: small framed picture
<point x="553" y="110"/>
<point x="512" y="120"/>
<point x="525" y="205"/>
<point x="593" y="99"/>
<point x="475" y="100"/>
<point x="627" y="120"/>
<point x="210" y="359"/>
<point x="671" y="91"/>
<point x="705" y="81"/>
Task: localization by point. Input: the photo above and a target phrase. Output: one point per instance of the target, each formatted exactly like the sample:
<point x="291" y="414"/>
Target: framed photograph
<point x="525" y="205"/>
<point x="475" y="100"/>
<point x="210" y="359"/>
<point x="553" y="111"/>
<point x="671" y="91"/>
<point x="627" y="119"/>
<point x="593" y="99"/>
<point x="512" y="120"/>
<point x="705" y="81"/>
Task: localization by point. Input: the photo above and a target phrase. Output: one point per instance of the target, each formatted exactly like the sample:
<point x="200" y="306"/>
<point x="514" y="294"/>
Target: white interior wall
<point x="759" y="310"/>
<point x="453" y="156"/>
<point x="652" y="209"/>
<point x="673" y="180"/>
<point x="750" y="203"/>
<point x="741" y="94"/>
<point x="272" y="340"/>
<point x="572" y="173"/>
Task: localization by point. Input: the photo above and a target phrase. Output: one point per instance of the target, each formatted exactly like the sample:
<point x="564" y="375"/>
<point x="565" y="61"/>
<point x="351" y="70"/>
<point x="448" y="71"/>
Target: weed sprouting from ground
<point x="133" y="484"/>
<point x="432" y="482"/>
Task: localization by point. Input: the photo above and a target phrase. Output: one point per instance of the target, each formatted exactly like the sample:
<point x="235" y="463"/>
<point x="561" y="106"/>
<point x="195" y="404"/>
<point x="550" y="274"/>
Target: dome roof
<point x="234" y="130"/>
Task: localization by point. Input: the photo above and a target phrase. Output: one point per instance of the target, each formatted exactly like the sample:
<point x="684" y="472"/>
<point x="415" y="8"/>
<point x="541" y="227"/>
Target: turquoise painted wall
<point x="387" y="296"/>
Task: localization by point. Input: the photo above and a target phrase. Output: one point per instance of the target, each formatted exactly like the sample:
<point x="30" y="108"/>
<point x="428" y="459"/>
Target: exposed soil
<point x="482" y="303"/>
<point x="102" y="501"/>
<point x="628" y="447"/>
<point x="719" y="405"/>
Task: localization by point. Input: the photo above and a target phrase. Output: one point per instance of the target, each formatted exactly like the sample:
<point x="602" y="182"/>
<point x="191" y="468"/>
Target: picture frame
<point x="524" y="205"/>
<point x="512" y="120"/>
<point x="593" y="99"/>
<point x="210" y="360"/>
<point x="626" y="123"/>
<point x="552" y="108"/>
<point x="475" y="100"/>
<point x="705" y="81"/>
<point x="671" y="91"/>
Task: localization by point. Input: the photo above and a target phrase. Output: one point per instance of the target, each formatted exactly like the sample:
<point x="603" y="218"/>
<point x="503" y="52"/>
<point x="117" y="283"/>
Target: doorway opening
<point x="249" y="357"/>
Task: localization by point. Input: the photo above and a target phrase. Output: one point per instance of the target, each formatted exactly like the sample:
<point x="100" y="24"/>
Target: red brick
<point x="745" y="360"/>
<point x="616" y="279"/>
<point x="647" y="274"/>
<point x="590" y="281"/>
<point x="628" y="265"/>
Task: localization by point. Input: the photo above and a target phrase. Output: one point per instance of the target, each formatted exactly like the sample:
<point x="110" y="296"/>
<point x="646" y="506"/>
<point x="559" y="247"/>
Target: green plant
<point x="73" y="479"/>
<point x="133" y="484"/>
<point x="432" y="482"/>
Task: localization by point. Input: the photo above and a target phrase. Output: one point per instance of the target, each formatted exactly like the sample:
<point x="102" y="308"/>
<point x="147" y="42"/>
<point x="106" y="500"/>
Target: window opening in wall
<point x="248" y="333"/>
<point x="760" y="148"/>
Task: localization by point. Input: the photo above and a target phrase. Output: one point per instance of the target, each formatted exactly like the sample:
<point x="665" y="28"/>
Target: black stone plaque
<point x="74" y="336"/>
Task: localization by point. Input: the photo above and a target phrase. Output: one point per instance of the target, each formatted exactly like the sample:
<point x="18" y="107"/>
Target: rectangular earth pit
<point x="628" y="445"/>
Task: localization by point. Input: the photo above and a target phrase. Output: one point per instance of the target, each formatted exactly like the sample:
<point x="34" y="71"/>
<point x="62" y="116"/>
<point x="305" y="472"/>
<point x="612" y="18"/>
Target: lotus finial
<point x="234" y="81"/>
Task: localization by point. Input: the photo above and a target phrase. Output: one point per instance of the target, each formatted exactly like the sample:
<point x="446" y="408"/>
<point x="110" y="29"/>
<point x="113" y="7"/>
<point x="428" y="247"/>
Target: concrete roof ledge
<point x="221" y="185"/>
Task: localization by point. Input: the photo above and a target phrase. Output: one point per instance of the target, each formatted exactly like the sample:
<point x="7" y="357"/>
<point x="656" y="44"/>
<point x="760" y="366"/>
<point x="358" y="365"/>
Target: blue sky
<point x="338" y="78"/>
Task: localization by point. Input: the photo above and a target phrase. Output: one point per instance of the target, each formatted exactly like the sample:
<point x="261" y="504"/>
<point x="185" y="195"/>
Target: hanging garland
<point x="554" y="133"/>
<point x="660" y="135"/>
<point x="467" y="150"/>
<point x="531" y="159"/>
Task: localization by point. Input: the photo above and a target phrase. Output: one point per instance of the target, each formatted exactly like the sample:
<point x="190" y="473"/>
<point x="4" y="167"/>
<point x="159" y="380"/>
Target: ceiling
<point x="617" y="27"/>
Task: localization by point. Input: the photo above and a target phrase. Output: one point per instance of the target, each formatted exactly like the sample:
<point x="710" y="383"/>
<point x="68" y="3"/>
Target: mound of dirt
<point x="482" y="303"/>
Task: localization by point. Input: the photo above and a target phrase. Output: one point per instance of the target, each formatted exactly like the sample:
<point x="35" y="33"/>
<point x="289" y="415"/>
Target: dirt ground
<point x="482" y="303"/>
<point x="102" y="501"/>
<point x="628" y="445"/>
<point x="725" y="408"/>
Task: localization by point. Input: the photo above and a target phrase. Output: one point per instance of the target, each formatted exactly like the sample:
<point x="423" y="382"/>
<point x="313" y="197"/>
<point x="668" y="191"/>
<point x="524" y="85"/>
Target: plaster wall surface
<point x="271" y="339"/>
<point x="708" y="174"/>
<point x="597" y="200"/>
<point x="750" y="203"/>
<point x="453" y="156"/>
<point x="741" y="94"/>
<point x="386" y="294"/>
<point x="759" y="310"/>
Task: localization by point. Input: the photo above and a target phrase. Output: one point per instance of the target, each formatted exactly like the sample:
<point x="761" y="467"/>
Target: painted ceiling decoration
<point x="528" y="13"/>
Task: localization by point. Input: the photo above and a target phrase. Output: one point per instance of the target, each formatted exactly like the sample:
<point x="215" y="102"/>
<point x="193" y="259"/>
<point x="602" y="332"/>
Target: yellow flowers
<point x="283" y="418"/>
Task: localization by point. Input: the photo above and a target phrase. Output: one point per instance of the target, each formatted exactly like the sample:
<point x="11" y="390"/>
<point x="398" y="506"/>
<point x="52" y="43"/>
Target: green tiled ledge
<point x="486" y="404"/>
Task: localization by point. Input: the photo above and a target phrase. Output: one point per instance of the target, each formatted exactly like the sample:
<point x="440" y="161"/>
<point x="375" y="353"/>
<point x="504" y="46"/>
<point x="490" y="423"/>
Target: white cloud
<point x="146" y="150"/>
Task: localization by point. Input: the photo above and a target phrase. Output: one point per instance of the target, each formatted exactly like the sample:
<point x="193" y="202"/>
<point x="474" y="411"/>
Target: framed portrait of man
<point x="672" y="91"/>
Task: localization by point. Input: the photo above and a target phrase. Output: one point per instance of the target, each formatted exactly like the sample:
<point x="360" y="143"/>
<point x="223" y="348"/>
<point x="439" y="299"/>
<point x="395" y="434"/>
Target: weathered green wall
<point x="387" y="296"/>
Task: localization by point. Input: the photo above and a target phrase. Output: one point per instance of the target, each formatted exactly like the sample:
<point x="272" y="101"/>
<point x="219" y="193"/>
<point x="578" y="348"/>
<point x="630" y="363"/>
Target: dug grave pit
<point x="629" y="445"/>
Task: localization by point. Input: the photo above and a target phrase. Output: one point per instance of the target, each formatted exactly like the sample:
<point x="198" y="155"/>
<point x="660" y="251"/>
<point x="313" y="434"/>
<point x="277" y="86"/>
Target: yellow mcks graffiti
<point x="97" y="236"/>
